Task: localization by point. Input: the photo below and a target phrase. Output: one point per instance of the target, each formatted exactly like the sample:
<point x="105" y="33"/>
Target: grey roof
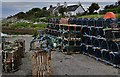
<point x="72" y="7"/>
<point x="59" y="7"/>
<point x="51" y="9"/>
<point x="69" y="8"/>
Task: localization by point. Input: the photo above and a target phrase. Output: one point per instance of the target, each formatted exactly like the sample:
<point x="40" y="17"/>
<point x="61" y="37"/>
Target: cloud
<point x="58" y="0"/>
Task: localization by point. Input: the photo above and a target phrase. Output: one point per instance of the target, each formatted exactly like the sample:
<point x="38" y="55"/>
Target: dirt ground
<point x="75" y="64"/>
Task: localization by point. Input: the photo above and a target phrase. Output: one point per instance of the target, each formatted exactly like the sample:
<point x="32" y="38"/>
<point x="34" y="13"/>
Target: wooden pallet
<point x="41" y="63"/>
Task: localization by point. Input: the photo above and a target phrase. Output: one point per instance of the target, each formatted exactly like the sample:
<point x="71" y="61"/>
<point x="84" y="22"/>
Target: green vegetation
<point x="115" y="10"/>
<point x="93" y="7"/>
<point x="92" y="16"/>
<point x="33" y="14"/>
<point x="97" y="16"/>
<point x="28" y="25"/>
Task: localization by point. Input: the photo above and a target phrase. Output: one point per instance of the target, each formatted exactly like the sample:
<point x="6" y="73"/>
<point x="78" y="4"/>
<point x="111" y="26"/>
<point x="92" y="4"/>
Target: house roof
<point x="72" y="7"/>
<point x="69" y="8"/>
<point x="59" y="7"/>
<point x="51" y="9"/>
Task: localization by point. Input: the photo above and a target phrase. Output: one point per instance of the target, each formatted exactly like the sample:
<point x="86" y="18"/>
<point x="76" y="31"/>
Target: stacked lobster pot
<point x="41" y="56"/>
<point x="67" y="36"/>
<point x="12" y="54"/>
<point x="98" y="38"/>
<point x="101" y="39"/>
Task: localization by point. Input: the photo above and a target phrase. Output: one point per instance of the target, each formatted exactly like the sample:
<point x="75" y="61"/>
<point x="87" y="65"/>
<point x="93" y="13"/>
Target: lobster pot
<point x="112" y="34"/>
<point x="114" y="47"/>
<point x="63" y="21"/>
<point x="91" y="22"/>
<point x="88" y="40"/>
<point x="57" y="27"/>
<point x="90" y="49"/>
<point x="10" y="60"/>
<point x="41" y="63"/>
<point x="85" y="30"/>
<point x="72" y="20"/>
<point x="105" y="50"/>
<point x="71" y="43"/>
<point x="100" y="31"/>
<point x="82" y="46"/>
<point x="85" y="21"/>
<point x="78" y="35"/>
<point x="21" y="48"/>
<point x="96" y="48"/>
<point x="93" y="31"/>
<point x="100" y="22"/>
<point x="72" y="28"/>
<point x="66" y="35"/>
<point x="79" y="21"/>
<point x="108" y="22"/>
<point x="115" y="58"/>
<point x="78" y="28"/>
<point x="78" y="42"/>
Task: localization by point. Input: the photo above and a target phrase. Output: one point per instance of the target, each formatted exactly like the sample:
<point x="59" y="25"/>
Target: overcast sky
<point x="58" y="0"/>
<point x="11" y="7"/>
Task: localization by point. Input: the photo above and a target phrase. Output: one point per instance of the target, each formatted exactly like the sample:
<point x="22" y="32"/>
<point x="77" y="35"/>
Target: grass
<point x="92" y="16"/>
<point x="97" y="16"/>
<point x="28" y="25"/>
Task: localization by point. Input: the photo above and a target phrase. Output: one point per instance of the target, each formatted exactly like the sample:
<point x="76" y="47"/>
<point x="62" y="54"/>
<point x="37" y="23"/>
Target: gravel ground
<point x="75" y="64"/>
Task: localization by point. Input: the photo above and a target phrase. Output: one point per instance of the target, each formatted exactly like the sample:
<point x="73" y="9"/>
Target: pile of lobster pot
<point x="41" y="56"/>
<point x="12" y="54"/>
<point x="98" y="38"/>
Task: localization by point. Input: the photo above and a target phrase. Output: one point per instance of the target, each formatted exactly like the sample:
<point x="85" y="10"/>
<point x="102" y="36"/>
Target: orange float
<point x="110" y="15"/>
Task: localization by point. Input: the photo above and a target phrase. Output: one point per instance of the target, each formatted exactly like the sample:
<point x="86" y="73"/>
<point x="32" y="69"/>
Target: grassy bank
<point x="96" y="16"/>
<point x="28" y="25"/>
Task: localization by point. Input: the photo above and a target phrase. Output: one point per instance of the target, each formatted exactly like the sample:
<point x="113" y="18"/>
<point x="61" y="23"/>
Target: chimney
<point x="65" y="4"/>
<point x="79" y="3"/>
<point x="58" y="4"/>
<point x="51" y="6"/>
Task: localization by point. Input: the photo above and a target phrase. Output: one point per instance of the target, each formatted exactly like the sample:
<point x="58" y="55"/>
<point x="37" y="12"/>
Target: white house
<point x="71" y="10"/>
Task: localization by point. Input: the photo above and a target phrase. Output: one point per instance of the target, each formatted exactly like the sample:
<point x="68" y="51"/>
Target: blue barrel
<point x="100" y="22"/>
<point x="91" y="22"/>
